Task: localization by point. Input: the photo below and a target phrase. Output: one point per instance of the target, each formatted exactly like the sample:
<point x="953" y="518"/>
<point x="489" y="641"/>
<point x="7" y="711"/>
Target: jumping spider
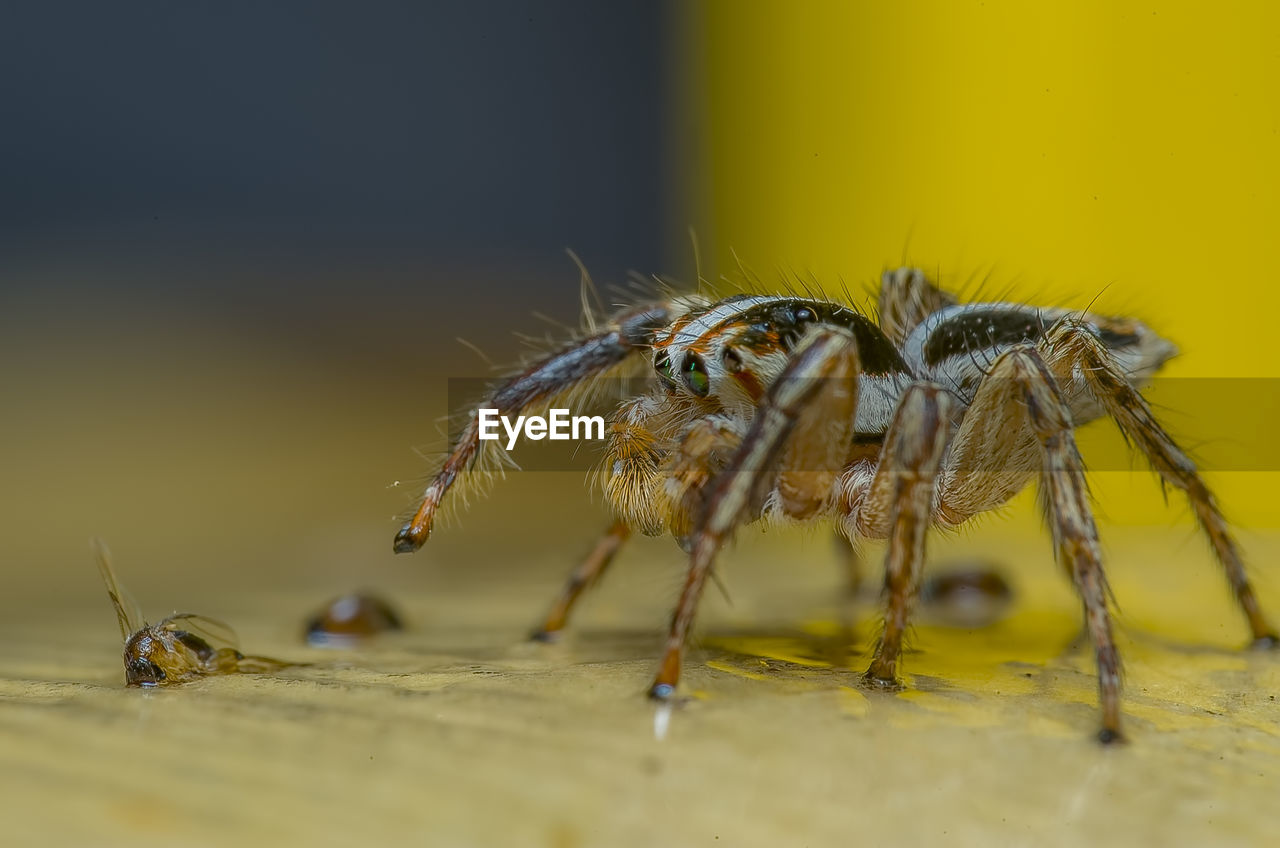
<point x="794" y="407"/>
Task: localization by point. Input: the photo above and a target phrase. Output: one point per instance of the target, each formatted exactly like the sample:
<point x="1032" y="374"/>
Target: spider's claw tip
<point x="661" y="692"/>
<point x="407" y="541"/>
<point x="881" y="682"/>
<point x="546" y="637"/>
<point x="1266" y="642"/>
<point x="1111" y="736"/>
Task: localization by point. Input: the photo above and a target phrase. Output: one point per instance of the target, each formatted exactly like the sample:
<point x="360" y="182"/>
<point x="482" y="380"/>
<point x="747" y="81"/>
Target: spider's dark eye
<point x="804" y="315"/>
<point x="662" y="365"/>
<point x="695" y="376"/>
<point x="732" y="360"/>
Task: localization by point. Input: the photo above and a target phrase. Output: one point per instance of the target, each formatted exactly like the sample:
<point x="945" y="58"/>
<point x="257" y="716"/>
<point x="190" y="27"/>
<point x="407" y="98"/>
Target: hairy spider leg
<point x="703" y="453"/>
<point x="1022" y="400"/>
<point x="588" y="572"/>
<point x="850" y="562"/>
<point x="627" y="333"/>
<point x="1069" y="348"/>
<point x="906" y="478"/>
<point x="907" y="298"/>
<point x="821" y="373"/>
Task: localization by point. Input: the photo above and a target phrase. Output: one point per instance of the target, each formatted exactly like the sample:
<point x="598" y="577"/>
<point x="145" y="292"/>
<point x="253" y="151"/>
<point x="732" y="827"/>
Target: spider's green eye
<point x="662" y="365"/>
<point x="695" y="376"/>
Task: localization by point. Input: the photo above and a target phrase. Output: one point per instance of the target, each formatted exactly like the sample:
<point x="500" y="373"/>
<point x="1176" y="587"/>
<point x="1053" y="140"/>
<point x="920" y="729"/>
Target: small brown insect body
<point x="166" y="653"/>
<point x="154" y="656"/>
<point x="180" y="648"/>
<point x="350" y="619"/>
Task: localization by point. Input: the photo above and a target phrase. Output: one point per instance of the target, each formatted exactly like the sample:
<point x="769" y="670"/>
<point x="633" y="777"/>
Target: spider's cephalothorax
<point x="799" y="408"/>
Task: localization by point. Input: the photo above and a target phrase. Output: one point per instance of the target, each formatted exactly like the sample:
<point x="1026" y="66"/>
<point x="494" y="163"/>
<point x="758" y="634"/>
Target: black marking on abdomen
<point x="981" y="329"/>
<point x="1115" y="341"/>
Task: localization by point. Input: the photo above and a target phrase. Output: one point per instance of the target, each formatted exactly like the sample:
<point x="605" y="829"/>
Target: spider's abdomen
<point x="957" y="345"/>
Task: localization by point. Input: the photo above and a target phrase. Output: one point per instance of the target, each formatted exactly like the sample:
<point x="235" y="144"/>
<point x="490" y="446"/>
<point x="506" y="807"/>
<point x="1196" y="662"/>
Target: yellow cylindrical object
<point x="1066" y="153"/>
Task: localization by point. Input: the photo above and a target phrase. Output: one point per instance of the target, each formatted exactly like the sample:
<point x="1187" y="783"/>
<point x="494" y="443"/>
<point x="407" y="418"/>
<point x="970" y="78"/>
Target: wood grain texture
<point x="457" y="733"/>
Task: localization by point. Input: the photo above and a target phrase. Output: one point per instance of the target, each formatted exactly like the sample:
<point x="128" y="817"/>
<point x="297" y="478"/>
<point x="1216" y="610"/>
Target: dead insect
<point x="178" y="649"/>
<point x="349" y="619"/>
<point x="791" y="407"/>
<point x="973" y="595"/>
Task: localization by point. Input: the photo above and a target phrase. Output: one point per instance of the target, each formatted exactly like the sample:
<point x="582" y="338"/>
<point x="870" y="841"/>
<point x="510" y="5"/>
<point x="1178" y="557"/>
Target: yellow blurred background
<point x="1062" y="151"/>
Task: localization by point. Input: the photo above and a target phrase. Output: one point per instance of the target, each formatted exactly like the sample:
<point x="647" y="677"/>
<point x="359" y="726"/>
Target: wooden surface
<point x="459" y="733"/>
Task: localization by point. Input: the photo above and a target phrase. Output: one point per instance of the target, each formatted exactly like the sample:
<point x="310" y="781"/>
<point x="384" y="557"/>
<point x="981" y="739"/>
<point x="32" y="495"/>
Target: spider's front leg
<point x="798" y="442"/>
<point x="556" y="376"/>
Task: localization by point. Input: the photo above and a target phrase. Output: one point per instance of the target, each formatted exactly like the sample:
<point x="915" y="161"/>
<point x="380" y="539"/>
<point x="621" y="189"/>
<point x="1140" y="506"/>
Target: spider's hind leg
<point x="1071" y="349"/>
<point x="1019" y="423"/>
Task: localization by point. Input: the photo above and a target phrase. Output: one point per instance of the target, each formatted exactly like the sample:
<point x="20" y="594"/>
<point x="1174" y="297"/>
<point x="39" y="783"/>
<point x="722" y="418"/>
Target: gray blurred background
<point x="256" y="141"/>
<point x="237" y="241"/>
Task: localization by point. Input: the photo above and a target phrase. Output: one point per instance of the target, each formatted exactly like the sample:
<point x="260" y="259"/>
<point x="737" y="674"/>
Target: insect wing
<point x="128" y="613"/>
<point x="215" y="634"/>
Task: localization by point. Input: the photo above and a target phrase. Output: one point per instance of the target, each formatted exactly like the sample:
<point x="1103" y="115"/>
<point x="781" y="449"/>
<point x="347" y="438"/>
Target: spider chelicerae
<point x="796" y="407"/>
